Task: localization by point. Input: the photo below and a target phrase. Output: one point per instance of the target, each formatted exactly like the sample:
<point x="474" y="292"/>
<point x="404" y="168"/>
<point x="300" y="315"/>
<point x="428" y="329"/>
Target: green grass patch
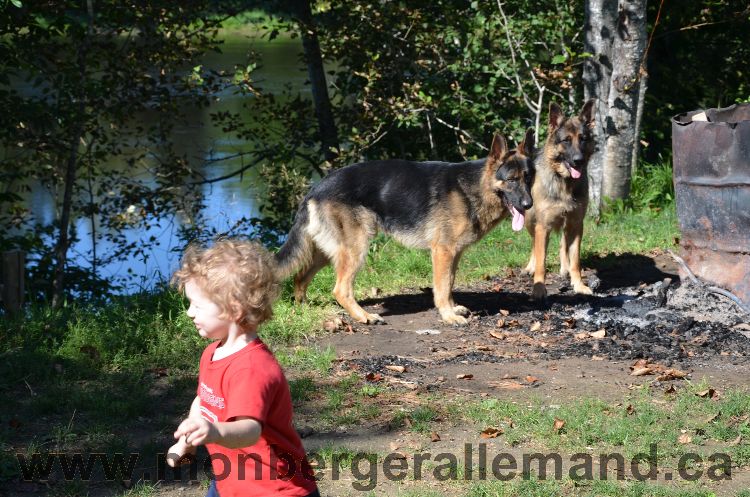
<point x="630" y="427"/>
<point x="533" y="487"/>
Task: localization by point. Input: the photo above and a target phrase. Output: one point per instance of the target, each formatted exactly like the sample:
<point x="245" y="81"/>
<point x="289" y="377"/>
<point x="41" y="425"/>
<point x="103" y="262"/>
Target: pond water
<point x="226" y="201"/>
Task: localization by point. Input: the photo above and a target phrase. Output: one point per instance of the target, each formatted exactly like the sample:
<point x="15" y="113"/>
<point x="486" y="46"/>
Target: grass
<point x="629" y="427"/>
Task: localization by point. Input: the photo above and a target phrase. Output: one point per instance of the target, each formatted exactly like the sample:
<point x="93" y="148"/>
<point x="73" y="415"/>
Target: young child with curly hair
<point x="242" y="412"/>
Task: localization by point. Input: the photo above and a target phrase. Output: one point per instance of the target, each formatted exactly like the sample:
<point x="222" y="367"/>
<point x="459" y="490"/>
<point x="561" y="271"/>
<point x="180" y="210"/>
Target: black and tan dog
<point x="561" y="195"/>
<point x="444" y="207"/>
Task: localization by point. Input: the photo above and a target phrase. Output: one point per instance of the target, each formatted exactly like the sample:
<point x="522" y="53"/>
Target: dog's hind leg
<point x="573" y="235"/>
<point x="349" y="259"/>
<point x="443" y="264"/>
<point x="303" y="278"/>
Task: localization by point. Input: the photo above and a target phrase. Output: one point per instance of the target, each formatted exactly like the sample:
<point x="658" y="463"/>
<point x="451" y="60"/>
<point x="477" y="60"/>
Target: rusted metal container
<point x="711" y="157"/>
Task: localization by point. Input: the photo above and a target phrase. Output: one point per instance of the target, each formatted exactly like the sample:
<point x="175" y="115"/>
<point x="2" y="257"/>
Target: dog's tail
<point x="298" y="248"/>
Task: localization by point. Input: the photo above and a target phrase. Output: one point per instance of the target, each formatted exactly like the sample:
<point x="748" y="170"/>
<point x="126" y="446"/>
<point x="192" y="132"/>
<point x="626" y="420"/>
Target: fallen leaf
<point x="641" y="372"/>
<point x="581" y="336"/>
<point x="397" y="369"/>
<point x="671" y="374"/>
<point x="398" y="455"/>
<point x="497" y="334"/>
<point x="349" y="328"/>
<point x="491" y="433"/>
<point x="599" y="333"/>
<point x="684" y="438"/>
<point x="671" y="389"/>
<point x="535" y="327"/>
<point x="441" y="379"/>
<point x="709" y="393"/>
<point x="630" y="410"/>
<point x="513" y="322"/>
<point x="393" y="446"/>
<point x="464" y="376"/>
<point x="640" y="363"/>
<point x="531" y="379"/>
<point x="570" y="322"/>
<point x="497" y="287"/>
<point x="504" y="312"/>
<point x="500" y="323"/>
<point x="505" y="384"/>
<point x="332" y="325"/>
<point x="597" y="358"/>
<point x="558" y="425"/>
<point x="434" y="437"/>
<point x="374" y="377"/>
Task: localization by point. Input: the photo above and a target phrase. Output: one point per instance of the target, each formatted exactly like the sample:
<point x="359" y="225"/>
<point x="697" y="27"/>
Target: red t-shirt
<point x="250" y="382"/>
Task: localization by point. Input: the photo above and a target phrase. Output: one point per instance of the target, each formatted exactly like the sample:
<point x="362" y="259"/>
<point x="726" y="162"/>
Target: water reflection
<point x="225" y="202"/>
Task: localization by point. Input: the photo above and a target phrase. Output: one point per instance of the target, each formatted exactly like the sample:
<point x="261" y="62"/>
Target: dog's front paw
<point x="539" y="291"/>
<point x="582" y="289"/>
<point x="453" y="318"/>
<point x="461" y="310"/>
<point x="375" y="319"/>
<point x="371" y="319"/>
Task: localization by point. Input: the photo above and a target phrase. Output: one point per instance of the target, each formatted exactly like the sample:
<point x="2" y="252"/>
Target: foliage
<point x="71" y="79"/>
<point x="651" y="189"/>
<point x="447" y="78"/>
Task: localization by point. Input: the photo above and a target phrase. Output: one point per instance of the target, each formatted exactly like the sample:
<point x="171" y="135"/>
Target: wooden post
<point x="13" y="270"/>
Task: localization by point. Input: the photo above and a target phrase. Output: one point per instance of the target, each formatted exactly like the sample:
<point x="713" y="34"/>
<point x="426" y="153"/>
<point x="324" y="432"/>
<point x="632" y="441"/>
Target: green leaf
<point x="17" y="3"/>
<point x="559" y="59"/>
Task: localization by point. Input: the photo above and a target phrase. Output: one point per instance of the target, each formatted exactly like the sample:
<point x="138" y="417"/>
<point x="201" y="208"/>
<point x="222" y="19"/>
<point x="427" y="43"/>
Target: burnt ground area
<point x="640" y="310"/>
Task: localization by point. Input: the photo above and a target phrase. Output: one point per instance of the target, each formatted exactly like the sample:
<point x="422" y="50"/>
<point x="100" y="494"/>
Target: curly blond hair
<point x="235" y="275"/>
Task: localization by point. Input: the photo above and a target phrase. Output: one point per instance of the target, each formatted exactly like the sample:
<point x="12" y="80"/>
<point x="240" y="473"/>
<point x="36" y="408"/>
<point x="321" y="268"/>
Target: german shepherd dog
<point x="444" y="207"/>
<point x="561" y="193"/>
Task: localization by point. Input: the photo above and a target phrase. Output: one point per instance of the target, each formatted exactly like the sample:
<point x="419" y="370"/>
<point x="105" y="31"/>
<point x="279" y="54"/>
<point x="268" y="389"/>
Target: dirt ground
<point x="568" y="348"/>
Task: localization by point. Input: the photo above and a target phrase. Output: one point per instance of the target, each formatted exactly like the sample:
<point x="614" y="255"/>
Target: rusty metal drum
<point x="711" y="158"/>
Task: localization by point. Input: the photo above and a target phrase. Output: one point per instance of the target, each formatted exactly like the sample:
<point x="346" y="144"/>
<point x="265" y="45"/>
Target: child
<point x="243" y="410"/>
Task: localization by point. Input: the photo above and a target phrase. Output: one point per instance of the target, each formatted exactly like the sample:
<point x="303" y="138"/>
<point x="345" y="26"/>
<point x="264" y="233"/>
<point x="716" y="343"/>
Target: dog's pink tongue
<point x="575" y="173"/>
<point x="517" y="219"/>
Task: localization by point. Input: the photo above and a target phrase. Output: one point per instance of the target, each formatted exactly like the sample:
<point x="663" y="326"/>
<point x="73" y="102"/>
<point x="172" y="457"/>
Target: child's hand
<point x="196" y="431"/>
<point x="180" y="453"/>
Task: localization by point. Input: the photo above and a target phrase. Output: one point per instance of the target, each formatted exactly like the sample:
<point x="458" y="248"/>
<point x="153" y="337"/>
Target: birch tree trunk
<point x="615" y="35"/>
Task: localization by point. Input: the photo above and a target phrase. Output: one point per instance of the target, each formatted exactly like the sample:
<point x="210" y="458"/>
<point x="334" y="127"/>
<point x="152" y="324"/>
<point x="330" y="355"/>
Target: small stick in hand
<point x="180" y="453"/>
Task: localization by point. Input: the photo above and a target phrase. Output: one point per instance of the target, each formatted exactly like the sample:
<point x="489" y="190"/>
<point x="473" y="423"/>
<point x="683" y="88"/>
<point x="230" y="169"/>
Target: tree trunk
<point x="600" y="17"/>
<point x="316" y="72"/>
<point x="63" y="240"/>
<point x="616" y="36"/>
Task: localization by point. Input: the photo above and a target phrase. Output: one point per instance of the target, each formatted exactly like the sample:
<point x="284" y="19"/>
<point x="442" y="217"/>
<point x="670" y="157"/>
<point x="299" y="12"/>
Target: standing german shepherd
<point x="444" y="207"/>
<point x="561" y="195"/>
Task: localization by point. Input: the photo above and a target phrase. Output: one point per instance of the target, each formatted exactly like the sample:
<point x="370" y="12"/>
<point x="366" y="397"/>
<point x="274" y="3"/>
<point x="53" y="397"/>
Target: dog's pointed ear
<point x="587" y="113"/>
<point x="526" y="147"/>
<point x="556" y="117"/>
<point x="498" y="149"/>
